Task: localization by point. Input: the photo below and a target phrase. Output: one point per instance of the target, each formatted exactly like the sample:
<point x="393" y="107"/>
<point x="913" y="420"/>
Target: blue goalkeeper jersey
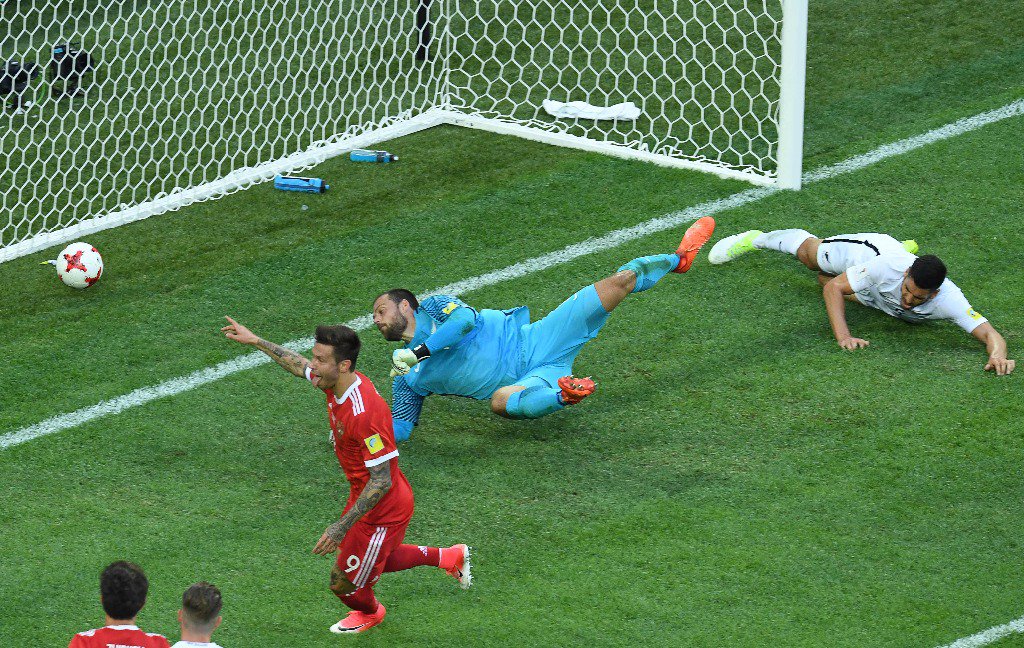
<point x="488" y="357"/>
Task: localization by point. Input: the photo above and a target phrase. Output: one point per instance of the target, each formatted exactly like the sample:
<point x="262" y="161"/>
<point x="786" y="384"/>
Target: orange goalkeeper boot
<point x="693" y="240"/>
<point x="575" y="389"/>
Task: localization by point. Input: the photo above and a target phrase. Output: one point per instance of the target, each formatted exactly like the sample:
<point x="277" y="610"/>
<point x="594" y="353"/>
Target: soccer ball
<point x="79" y="265"/>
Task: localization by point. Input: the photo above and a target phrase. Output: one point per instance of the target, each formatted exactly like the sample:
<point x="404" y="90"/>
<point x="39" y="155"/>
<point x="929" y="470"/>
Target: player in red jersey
<point x="368" y="537"/>
<point x="123" y="588"/>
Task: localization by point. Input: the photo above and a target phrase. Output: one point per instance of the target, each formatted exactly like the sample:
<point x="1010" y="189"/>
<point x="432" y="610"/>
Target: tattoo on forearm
<point x="373" y="492"/>
<point x="288" y="359"/>
<point x="336" y="577"/>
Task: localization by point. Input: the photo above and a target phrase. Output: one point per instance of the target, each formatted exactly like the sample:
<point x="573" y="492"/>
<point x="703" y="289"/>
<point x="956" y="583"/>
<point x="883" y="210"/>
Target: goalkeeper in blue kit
<point x="523" y="368"/>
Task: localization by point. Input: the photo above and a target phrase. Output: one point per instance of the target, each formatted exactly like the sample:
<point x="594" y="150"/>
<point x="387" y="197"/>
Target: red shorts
<point x="365" y="549"/>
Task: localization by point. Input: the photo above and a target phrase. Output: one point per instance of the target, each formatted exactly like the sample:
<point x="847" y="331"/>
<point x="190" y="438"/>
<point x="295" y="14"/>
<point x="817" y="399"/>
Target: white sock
<point x="787" y="240"/>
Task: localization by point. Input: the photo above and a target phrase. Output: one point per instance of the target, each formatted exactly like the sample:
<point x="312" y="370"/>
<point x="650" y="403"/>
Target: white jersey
<point x="878" y="283"/>
<point x="838" y="253"/>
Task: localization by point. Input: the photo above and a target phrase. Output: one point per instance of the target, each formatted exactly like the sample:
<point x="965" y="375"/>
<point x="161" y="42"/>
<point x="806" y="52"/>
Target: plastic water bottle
<point x="363" y="155"/>
<point x="297" y="183"/>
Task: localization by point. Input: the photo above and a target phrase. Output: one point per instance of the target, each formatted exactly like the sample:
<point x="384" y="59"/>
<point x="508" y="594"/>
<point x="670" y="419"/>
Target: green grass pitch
<point x="738" y="480"/>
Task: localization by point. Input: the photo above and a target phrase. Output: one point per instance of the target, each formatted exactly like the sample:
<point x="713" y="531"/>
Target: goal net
<point x="116" y="111"/>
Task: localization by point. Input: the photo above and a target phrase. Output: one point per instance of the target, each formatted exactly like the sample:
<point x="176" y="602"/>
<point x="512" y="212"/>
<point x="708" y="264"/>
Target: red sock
<point x="409" y="556"/>
<point x="362" y="600"/>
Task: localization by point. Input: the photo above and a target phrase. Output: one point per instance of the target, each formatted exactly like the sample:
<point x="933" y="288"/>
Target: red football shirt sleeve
<point x="377" y="439"/>
<point x="76" y="642"/>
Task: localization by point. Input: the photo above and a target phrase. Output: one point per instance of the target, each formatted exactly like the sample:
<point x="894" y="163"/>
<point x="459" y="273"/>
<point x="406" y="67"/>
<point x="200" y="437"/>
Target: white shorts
<point x="837" y="253"/>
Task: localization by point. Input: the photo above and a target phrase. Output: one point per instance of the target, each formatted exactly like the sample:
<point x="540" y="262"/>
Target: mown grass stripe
<point x="590" y="246"/>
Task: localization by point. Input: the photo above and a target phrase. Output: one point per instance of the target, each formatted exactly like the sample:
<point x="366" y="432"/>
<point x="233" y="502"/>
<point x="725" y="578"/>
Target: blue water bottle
<point x="363" y="155"/>
<point x="296" y="183"/>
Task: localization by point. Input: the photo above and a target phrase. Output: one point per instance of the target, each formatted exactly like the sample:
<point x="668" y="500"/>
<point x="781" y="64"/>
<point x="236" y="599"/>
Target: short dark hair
<point x="200" y="605"/>
<point x="398" y="294"/>
<point x="928" y="272"/>
<point x="344" y="340"/>
<point x="123" y="588"/>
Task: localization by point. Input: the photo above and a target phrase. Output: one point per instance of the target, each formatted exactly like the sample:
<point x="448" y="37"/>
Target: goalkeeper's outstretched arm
<point x="289" y="360"/>
<point x="457" y="320"/>
<point x="458" y="324"/>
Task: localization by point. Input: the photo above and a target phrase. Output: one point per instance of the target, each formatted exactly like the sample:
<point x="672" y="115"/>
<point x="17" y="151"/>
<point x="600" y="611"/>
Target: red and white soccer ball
<point x="79" y="265"/>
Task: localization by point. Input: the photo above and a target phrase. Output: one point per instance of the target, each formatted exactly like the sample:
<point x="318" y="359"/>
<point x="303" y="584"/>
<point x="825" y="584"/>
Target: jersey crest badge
<point x="374" y="444"/>
<point x="447" y="310"/>
<point x="973" y="314"/>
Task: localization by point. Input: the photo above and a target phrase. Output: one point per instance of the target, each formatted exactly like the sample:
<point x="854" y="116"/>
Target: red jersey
<point x="363" y="437"/>
<point x="119" y="636"/>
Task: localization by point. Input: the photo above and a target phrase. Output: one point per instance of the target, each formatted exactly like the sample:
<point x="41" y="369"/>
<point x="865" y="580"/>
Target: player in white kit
<point x="878" y="271"/>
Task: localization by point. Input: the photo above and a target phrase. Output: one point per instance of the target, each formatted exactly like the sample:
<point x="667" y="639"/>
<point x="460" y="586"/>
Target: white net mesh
<point x="187" y="92"/>
<point x="158" y="103"/>
<point x="704" y="73"/>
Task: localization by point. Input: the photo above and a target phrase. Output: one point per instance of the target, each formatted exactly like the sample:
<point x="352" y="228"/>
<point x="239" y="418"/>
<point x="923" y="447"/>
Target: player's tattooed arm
<point x="289" y="360"/>
<point x="376" y="488"/>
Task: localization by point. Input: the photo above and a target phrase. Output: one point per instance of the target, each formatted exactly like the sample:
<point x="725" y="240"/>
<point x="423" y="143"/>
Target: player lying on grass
<point x="878" y="271"/>
<point x="524" y="369"/>
<point x="368" y="537"/>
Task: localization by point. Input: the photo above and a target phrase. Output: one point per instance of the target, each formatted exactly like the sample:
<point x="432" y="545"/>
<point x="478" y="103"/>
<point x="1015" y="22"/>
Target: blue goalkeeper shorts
<point x="550" y="345"/>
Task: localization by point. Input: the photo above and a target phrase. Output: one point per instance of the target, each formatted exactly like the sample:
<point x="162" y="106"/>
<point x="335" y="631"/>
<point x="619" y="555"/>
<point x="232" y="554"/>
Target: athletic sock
<point x="361" y="600"/>
<point x="534" y="402"/>
<point x="409" y="556"/>
<point x="787" y="240"/>
<point x="650" y="269"/>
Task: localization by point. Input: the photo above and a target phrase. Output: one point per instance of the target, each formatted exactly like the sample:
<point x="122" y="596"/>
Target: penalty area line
<point x="613" y="239"/>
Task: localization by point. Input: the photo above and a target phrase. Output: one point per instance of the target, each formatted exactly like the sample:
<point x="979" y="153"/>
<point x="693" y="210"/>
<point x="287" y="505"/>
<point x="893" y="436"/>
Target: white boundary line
<point x="590" y="246"/>
<point x="530" y="266"/>
<point x="989" y="636"/>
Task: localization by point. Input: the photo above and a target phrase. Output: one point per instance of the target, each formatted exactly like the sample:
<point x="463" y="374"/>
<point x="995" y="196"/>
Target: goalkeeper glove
<point x="402" y="360"/>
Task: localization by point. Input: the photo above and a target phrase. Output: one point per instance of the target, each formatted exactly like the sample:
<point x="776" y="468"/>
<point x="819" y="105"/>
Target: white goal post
<point x="116" y="111"/>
